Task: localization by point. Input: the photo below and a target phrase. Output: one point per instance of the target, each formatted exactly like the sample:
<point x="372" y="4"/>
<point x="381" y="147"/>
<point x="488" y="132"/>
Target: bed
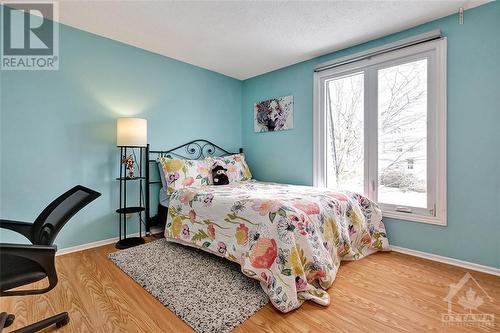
<point x="290" y="238"/>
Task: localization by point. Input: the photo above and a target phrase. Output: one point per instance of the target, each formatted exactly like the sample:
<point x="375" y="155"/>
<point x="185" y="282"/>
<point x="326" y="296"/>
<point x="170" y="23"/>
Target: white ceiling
<point x="242" y="39"/>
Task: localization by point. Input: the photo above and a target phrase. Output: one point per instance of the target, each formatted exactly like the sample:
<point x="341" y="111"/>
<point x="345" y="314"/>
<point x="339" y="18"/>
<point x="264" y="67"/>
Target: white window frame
<point x="435" y="52"/>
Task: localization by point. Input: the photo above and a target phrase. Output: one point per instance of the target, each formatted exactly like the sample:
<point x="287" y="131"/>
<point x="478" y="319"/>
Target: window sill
<point x="414" y="218"/>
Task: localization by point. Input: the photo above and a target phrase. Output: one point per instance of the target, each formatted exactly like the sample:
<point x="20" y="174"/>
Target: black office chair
<point x="21" y="264"/>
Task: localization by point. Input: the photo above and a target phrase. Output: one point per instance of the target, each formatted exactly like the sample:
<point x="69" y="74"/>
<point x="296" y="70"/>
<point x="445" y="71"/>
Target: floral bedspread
<point x="291" y="238"/>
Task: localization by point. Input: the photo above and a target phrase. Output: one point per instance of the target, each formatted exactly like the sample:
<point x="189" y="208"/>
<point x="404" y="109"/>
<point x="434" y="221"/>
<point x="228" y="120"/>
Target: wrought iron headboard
<point x="193" y="150"/>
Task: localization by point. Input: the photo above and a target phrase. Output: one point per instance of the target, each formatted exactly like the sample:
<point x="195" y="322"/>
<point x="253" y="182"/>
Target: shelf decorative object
<point x="131" y="138"/>
<point x="129" y="162"/>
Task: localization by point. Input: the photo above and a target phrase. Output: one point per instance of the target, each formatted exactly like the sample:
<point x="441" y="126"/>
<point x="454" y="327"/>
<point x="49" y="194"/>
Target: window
<point x="380" y="129"/>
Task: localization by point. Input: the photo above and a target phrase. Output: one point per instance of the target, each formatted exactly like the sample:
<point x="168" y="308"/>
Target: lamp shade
<point x="131" y="132"/>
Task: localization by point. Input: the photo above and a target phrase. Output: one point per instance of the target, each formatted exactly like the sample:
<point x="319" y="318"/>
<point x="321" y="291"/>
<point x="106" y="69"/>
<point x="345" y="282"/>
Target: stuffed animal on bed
<point x="219" y="175"/>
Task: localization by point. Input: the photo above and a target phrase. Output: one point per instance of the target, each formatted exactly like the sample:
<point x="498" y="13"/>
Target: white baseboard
<point x="415" y="253"/>
<point x="99" y="243"/>
<point x="449" y="261"/>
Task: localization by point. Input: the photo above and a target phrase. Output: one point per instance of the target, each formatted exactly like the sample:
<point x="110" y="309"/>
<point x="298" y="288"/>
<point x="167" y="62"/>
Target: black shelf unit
<point x="126" y="178"/>
<point x="139" y="154"/>
<point x="130" y="210"/>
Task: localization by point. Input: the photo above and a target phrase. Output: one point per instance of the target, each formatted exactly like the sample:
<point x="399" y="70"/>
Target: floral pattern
<point x="237" y="167"/>
<point x="290" y="238"/>
<point x="184" y="173"/>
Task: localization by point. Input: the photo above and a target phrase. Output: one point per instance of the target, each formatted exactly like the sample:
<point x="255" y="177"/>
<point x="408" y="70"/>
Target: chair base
<point x="6" y="320"/>
<point x="9" y="320"/>
<point x="59" y="320"/>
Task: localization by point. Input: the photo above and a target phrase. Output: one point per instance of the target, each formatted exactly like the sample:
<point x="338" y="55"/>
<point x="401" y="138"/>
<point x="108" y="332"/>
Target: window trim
<point x="435" y="52"/>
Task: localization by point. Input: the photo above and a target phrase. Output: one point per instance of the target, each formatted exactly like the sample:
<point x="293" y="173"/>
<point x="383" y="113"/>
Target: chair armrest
<point x="24" y="228"/>
<point x="44" y="255"/>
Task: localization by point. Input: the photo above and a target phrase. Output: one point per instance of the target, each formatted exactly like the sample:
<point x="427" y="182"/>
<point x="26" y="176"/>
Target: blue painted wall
<point x="473" y="231"/>
<point x="58" y="127"/>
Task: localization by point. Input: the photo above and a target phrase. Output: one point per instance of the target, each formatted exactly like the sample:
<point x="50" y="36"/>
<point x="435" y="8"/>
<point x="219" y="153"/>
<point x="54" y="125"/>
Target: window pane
<point x="345" y="109"/>
<point x="402" y="134"/>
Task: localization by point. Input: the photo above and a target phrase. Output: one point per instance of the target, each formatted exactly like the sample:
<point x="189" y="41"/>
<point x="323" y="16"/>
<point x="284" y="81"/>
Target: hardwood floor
<point x="385" y="292"/>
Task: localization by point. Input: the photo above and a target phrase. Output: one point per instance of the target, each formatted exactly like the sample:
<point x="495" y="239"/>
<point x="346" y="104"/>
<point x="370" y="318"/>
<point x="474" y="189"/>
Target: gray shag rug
<point x="209" y="293"/>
